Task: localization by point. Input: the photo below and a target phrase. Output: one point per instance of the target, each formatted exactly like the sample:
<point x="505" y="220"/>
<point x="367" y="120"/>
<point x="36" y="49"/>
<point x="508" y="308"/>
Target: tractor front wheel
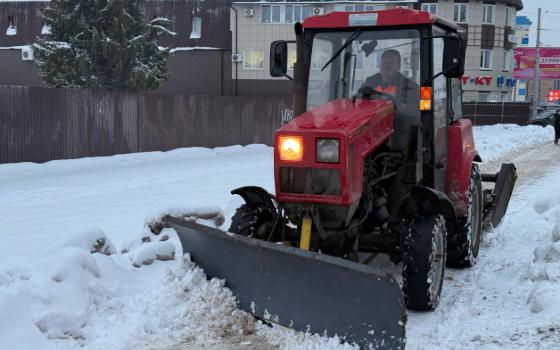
<point x="252" y="221"/>
<point x="424" y="262"/>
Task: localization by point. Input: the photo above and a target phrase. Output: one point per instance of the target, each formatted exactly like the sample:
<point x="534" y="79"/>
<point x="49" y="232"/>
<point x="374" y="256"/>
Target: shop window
<point x="253" y="59"/>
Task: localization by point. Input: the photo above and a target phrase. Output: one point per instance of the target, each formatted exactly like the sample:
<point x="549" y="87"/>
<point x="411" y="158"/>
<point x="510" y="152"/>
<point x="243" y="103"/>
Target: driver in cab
<point x="391" y="81"/>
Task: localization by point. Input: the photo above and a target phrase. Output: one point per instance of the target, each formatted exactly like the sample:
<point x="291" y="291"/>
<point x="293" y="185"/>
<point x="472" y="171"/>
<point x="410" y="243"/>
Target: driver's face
<point x="390" y="65"/>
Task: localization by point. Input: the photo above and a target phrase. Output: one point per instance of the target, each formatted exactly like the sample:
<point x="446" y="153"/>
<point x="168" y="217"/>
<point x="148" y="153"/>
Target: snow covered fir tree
<point x="102" y="44"/>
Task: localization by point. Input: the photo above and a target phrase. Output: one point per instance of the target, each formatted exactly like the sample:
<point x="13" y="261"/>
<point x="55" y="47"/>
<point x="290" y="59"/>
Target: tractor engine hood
<point x="341" y="116"/>
<point x="357" y="128"/>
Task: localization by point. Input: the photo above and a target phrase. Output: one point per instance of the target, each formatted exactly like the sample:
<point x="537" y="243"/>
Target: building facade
<point x="200" y="50"/>
<point x="522" y="28"/>
<point x="490" y="32"/>
<point x="489" y="29"/>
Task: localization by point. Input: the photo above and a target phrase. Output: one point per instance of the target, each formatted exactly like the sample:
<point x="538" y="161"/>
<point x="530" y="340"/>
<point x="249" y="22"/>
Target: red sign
<point x="553" y="95"/>
<point x="549" y="63"/>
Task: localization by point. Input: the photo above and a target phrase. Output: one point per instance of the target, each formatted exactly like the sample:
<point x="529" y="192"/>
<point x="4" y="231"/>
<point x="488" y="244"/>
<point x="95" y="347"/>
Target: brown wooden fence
<point x="42" y="124"/>
<point x="488" y="113"/>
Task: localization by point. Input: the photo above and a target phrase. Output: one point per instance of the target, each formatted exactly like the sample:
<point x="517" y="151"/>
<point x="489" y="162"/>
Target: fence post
<point x="503" y="111"/>
<point x="475" y="112"/>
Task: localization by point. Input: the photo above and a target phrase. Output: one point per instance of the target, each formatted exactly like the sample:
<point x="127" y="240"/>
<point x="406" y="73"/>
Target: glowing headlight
<point x="290" y="148"/>
<point x="327" y="150"/>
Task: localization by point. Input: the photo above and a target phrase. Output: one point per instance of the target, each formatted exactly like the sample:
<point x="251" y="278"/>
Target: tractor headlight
<point x="328" y="150"/>
<point x="290" y="148"/>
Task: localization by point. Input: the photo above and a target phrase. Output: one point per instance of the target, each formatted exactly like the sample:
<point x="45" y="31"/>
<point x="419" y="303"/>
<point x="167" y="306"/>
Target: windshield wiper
<point x="352" y="37"/>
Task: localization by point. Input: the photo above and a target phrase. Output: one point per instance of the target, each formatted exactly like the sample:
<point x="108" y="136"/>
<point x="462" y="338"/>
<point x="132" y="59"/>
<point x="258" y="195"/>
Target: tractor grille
<point x="310" y="181"/>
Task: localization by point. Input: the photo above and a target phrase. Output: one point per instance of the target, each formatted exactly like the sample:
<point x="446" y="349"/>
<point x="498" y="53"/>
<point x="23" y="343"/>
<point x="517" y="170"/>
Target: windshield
<point x="386" y="61"/>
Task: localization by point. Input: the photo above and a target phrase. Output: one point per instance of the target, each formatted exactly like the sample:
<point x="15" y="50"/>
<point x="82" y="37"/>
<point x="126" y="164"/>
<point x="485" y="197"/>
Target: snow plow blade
<point x="302" y="290"/>
<point x="496" y="201"/>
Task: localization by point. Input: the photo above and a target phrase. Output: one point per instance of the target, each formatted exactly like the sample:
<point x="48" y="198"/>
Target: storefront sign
<point x="553" y="95"/>
<point x="478" y="80"/>
<point x="549" y="63"/>
<point x="501" y="81"/>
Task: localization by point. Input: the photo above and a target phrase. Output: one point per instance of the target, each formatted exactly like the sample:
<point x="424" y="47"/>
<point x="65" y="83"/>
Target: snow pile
<point x="74" y="298"/>
<point x="495" y="141"/>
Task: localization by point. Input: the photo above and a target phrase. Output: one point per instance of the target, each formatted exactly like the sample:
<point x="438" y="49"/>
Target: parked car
<point x="543" y="119"/>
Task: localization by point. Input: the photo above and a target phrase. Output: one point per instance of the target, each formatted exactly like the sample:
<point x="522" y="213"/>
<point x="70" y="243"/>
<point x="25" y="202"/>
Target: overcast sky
<point x="550" y="21"/>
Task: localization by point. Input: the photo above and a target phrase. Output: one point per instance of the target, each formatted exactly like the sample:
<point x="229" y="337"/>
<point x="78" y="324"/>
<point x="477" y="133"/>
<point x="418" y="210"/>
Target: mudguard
<point x="303" y="290"/>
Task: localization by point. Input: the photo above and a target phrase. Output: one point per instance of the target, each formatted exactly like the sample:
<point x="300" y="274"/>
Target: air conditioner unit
<point x="27" y="53"/>
<point x="318" y="11"/>
<point x="248" y="12"/>
<point x="237" y="57"/>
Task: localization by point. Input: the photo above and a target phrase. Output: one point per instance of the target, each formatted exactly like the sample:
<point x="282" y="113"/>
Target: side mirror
<point x="279" y="58"/>
<point x="453" y="57"/>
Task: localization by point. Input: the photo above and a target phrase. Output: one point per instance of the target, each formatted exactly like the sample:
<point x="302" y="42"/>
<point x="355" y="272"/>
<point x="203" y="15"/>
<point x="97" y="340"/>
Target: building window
<point x="488" y="14"/>
<point x="253" y="59"/>
<point x="12" y="26"/>
<point x="270" y="14"/>
<point x="196" y="28"/>
<point x="295" y="13"/>
<point x="431" y="8"/>
<point x="461" y="13"/>
<point x="284" y="13"/>
<point x="507" y="60"/>
<point x="486" y="59"/>
<point x="358" y="8"/>
<point x="508" y="16"/>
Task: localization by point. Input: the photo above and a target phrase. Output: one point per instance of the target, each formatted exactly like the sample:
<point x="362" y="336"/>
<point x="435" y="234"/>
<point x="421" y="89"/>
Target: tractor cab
<point x="392" y="54"/>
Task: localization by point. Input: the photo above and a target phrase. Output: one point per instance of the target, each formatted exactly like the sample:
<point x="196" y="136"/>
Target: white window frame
<point x="245" y="59"/>
<point x="485" y="9"/>
<point x="196" y="32"/>
<point x="271" y="16"/>
<point x="486" y="56"/>
<point x="352" y="7"/>
<point x="460" y="6"/>
<point x="506" y="61"/>
<point x="429" y="7"/>
<point x="301" y="9"/>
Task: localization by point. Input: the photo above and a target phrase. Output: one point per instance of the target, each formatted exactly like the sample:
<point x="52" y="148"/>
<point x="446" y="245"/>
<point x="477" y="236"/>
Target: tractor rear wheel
<point x="251" y="221"/>
<point x="424" y="262"/>
<point x="463" y="248"/>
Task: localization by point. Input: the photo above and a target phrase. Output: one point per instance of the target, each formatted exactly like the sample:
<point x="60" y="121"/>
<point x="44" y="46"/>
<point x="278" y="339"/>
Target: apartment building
<point x="489" y="29"/>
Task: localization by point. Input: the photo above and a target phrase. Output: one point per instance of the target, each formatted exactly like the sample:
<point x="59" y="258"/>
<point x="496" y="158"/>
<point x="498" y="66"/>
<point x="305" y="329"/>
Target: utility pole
<point x="537" y="85"/>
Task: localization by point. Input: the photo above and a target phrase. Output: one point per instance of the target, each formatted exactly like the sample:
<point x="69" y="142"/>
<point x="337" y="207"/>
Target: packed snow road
<point x="143" y="295"/>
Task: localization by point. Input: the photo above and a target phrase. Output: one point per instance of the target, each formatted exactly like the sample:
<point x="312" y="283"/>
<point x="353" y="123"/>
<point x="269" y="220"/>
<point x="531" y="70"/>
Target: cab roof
<point x="391" y="17"/>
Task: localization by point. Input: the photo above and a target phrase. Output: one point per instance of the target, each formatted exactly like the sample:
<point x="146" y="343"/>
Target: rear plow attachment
<point x="496" y="200"/>
<point x="299" y="289"/>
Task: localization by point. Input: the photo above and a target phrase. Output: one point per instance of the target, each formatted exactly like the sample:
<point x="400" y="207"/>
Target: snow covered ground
<point x="137" y="290"/>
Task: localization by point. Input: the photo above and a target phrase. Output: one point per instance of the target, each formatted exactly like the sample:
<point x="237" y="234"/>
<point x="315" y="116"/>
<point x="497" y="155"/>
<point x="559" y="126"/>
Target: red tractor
<point x="377" y="160"/>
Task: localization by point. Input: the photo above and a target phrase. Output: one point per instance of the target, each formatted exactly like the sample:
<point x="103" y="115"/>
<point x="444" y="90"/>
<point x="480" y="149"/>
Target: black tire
<point x="250" y="221"/>
<point x="462" y="249"/>
<point x="424" y="262"/>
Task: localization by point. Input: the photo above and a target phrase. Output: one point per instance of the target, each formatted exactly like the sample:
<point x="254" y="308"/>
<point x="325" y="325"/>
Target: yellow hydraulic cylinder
<point x="305" y="238"/>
